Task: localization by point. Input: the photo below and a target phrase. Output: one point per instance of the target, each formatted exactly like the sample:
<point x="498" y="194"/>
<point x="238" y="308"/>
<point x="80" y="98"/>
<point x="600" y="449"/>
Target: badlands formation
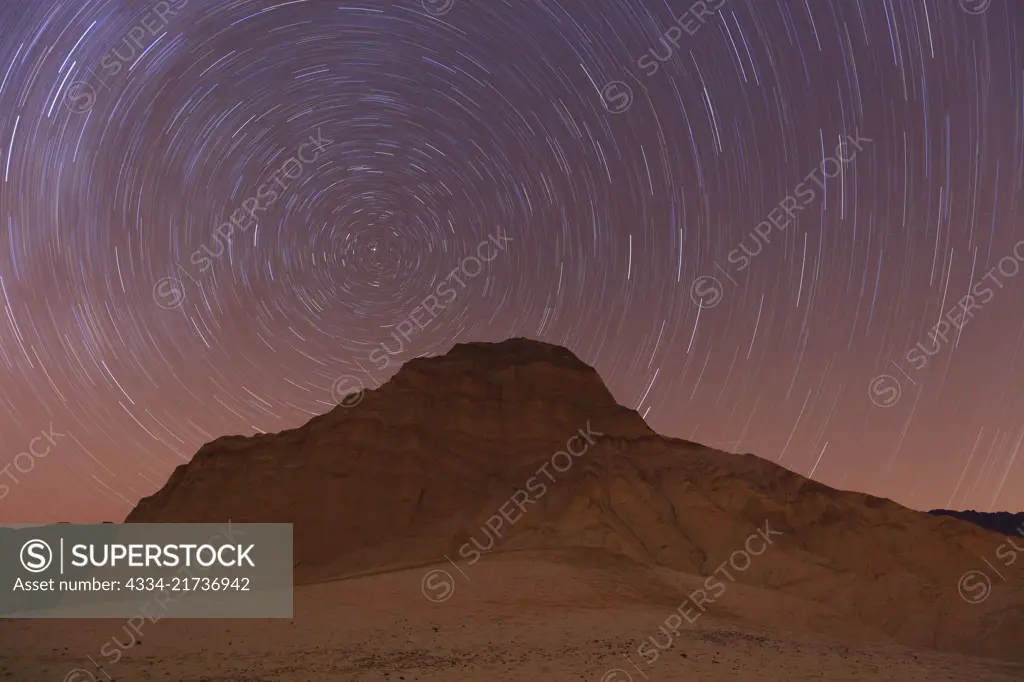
<point x="493" y="513"/>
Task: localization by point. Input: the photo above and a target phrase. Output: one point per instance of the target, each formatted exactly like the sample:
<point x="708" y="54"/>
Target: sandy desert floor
<point x="553" y="617"/>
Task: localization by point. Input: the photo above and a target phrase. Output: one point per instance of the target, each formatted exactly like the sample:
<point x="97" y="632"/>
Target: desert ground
<point x="531" y="615"/>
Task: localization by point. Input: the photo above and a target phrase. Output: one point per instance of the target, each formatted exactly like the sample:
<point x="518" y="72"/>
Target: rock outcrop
<point x="456" y="456"/>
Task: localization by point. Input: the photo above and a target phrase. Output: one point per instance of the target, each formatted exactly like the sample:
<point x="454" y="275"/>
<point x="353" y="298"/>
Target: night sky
<point x="785" y="227"/>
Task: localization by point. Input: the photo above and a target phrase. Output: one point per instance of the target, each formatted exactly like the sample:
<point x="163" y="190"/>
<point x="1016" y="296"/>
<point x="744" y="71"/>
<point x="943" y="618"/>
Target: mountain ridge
<point x="1004" y="523"/>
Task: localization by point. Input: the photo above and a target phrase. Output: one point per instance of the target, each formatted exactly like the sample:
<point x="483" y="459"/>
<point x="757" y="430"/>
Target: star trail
<point x="213" y="209"/>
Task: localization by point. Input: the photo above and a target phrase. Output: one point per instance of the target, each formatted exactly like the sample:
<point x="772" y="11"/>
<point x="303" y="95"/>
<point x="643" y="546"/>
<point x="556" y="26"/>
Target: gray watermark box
<point x="153" y="570"/>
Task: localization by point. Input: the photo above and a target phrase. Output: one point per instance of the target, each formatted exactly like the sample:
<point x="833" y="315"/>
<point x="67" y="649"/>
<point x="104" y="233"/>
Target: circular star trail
<point x="785" y="227"/>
